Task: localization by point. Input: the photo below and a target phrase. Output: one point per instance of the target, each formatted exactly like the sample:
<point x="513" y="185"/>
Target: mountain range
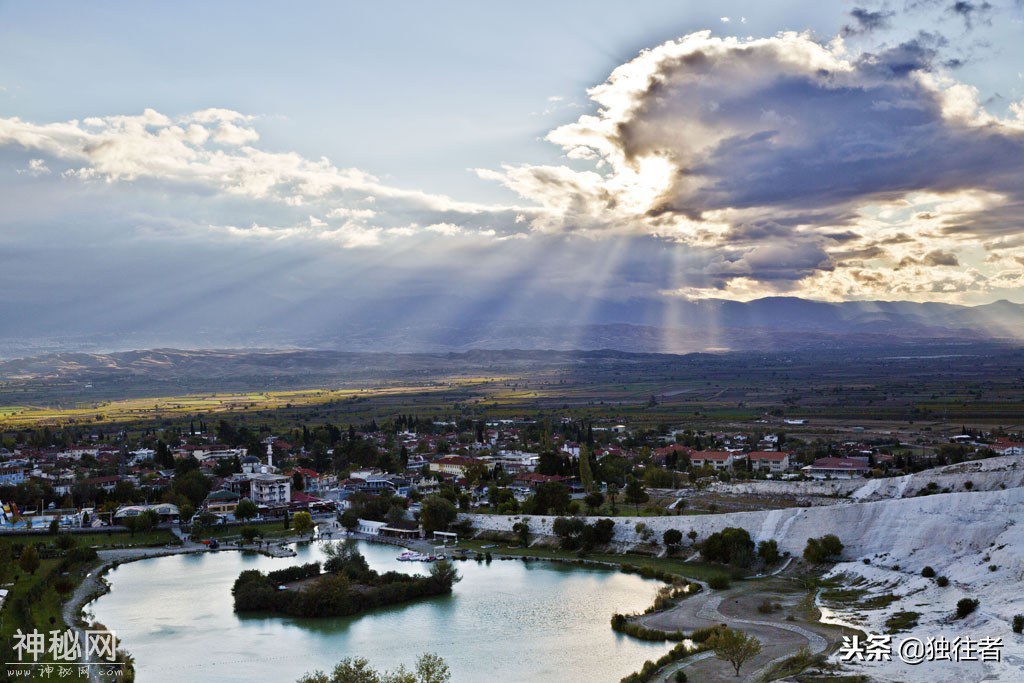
<point x="412" y="325"/>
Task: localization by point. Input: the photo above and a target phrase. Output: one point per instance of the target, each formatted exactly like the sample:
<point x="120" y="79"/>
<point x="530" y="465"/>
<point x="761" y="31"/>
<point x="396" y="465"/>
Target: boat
<point x="412" y="556"/>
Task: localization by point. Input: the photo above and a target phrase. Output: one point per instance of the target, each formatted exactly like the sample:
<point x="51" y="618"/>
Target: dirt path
<point x="779" y="639"/>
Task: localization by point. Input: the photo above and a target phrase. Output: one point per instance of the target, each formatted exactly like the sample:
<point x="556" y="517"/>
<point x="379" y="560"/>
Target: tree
<point x="474" y="474"/>
<point x="522" y="532"/>
<point x="635" y="493"/>
<point x="658" y="478"/>
<point x="731" y="545"/>
<point x="350" y="519"/>
<point x="63" y="585"/>
<point x="5" y="561"/>
<point x="303" y="523"/>
<point x="586" y="473"/>
<point x="29" y="561"/>
<point x="437" y="513"/>
<point x="298" y="483"/>
<point x="569" y="530"/>
<point x="823" y="549"/>
<point x="245" y="510"/>
<point x="593" y="501"/>
<point x="429" y="669"/>
<point x="768" y="551"/>
<point x="444" y="574"/>
<point x="551" y="497"/>
<point x="250" y="533"/>
<point x="191" y="484"/>
<point x="432" y="669"/>
<point x="672" y="537"/>
<point x="613" y="491"/>
<point x="163" y="456"/>
<point x="734" y="647"/>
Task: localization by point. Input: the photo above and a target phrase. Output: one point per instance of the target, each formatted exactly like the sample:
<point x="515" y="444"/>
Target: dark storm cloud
<point x="971" y="12"/>
<point x="867" y="21"/>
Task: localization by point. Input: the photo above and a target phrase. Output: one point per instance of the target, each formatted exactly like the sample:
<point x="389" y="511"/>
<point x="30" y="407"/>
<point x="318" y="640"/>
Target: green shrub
<point x="768" y="551"/>
<point x="731" y="545"/>
<point x="965" y="606"/>
<point x="901" y="621"/>
<point x="1018" y="623"/>
<point x="824" y="549"/>
<point x="942" y="582"/>
<point x="718" y="582"/>
<point x="928" y="573"/>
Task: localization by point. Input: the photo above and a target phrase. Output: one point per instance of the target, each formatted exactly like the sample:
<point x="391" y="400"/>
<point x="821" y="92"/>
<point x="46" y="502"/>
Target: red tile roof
<point x="772" y="456"/>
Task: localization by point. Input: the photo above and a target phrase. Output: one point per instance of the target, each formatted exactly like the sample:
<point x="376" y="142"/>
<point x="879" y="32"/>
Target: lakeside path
<point x="780" y="639"/>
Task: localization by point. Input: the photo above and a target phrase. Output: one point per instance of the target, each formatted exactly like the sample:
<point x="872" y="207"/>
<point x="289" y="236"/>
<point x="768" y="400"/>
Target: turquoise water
<point x="508" y="621"/>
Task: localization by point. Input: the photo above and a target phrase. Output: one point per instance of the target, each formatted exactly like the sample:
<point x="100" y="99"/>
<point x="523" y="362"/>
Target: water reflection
<point x="509" y="621"/>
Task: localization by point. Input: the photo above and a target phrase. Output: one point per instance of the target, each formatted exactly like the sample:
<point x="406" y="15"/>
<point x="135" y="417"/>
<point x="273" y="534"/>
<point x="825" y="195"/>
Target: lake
<point x="507" y="621"/>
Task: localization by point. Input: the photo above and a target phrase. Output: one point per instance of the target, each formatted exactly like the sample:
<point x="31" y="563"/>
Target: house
<point x="106" y="483"/>
<point x="222" y="502"/>
<point x="370" y="527"/>
<point x="12" y="476"/>
<point x="456" y="465"/>
<point x="531" y="480"/>
<point x="1004" y="446"/>
<point x="167" y="512"/>
<point x="719" y="460"/>
<point x="513" y="462"/>
<point x="768" y="461"/>
<point x="662" y="455"/>
<point x="312" y="482"/>
<point x="389" y="483"/>
<point x="270" y="489"/>
<point x="837" y="468"/>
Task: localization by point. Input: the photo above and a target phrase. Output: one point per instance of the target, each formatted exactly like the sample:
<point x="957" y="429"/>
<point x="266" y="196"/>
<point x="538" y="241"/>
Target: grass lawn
<point x="43" y="613"/>
<point x="124" y="539"/>
<point x="271" y="530"/>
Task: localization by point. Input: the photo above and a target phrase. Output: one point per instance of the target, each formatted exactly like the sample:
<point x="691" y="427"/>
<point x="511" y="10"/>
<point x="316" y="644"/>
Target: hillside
<point x="970" y="537"/>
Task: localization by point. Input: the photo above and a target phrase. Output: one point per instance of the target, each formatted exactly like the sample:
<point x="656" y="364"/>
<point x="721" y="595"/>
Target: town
<point x="200" y="475"/>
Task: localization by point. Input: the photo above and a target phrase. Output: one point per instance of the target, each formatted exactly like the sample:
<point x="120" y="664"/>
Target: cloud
<point x="737" y="144"/>
<point x="210" y="148"/>
<point x="971" y="12"/>
<point x="36" y="168"/>
<point x="710" y="166"/>
<point x="213" y="157"/>
<point x="867" y="21"/>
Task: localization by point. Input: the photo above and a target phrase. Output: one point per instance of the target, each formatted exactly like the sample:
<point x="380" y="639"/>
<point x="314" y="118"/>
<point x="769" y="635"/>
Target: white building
<point x="719" y="460"/>
<point x="768" y="461"/>
<point x="270" y="489"/>
<point x="370" y="527"/>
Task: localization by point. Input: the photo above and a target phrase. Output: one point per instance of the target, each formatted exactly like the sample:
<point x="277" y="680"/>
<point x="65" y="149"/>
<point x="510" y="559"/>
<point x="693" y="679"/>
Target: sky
<point x="232" y="163"/>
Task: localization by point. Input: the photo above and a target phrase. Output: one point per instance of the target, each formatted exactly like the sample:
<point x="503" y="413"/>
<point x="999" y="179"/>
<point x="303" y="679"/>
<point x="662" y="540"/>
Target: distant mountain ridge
<point x="414" y="324"/>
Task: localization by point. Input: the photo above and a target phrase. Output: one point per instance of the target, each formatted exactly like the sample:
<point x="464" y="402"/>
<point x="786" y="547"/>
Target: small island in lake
<point x="346" y="586"/>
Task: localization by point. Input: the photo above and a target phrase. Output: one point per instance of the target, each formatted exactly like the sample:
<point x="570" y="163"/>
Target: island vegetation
<point x="344" y="586"/>
<point x="429" y="669"/>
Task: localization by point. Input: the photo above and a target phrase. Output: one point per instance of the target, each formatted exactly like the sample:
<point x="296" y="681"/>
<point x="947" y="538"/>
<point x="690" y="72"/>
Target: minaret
<point x="270" y="453"/>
